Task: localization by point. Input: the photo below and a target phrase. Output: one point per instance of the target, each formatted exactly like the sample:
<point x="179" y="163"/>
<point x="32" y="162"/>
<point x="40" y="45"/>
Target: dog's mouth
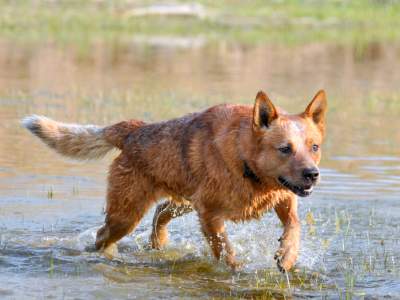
<point x="302" y="191"/>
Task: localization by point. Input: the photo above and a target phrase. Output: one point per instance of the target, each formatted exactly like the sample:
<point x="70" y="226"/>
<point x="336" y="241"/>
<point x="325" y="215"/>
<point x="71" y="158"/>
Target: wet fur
<point x="215" y="162"/>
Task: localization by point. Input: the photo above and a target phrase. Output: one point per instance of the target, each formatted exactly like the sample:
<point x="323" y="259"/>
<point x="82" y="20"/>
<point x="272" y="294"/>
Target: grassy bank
<point x="292" y="21"/>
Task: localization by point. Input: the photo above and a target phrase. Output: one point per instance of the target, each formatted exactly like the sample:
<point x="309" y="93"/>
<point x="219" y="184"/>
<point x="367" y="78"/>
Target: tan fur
<point x="226" y="163"/>
<point x="75" y="141"/>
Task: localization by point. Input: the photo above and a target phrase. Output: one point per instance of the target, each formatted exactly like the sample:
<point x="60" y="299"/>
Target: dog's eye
<point x="286" y="149"/>
<point x="315" y="148"/>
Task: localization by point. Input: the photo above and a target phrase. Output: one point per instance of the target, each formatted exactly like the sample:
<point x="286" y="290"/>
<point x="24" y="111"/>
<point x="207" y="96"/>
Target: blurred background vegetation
<point x="290" y="21"/>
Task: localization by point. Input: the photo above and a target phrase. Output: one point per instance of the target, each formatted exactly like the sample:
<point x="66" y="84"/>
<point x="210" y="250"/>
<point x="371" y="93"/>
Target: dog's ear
<point x="264" y="111"/>
<point x="316" y="110"/>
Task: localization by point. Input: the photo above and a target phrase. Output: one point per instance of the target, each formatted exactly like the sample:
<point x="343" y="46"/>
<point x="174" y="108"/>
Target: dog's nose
<point x="311" y="174"/>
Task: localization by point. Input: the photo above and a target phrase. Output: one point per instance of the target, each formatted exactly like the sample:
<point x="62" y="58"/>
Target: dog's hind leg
<point x="165" y="212"/>
<point x="129" y="197"/>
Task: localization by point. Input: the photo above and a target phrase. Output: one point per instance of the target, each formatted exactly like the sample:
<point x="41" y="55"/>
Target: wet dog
<point x="229" y="162"/>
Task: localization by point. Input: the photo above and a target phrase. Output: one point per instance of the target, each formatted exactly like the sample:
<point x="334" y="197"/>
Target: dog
<point x="229" y="162"/>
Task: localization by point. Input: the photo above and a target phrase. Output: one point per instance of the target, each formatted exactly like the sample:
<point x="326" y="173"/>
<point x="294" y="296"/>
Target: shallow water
<point x="51" y="207"/>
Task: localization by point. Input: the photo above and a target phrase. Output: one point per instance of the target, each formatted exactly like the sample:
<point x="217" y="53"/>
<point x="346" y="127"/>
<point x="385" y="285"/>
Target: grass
<point x="50" y="193"/>
<point x="291" y="21"/>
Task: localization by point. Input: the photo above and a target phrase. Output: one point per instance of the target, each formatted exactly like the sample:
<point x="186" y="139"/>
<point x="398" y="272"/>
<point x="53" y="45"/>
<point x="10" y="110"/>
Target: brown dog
<point x="229" y="162"/>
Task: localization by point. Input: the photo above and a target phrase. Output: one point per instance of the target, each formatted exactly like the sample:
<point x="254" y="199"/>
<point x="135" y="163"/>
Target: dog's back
<point x="179" y="153"/>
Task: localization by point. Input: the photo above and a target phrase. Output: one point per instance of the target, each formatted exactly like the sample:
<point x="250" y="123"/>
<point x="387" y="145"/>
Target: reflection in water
<point x="51" y="208"/>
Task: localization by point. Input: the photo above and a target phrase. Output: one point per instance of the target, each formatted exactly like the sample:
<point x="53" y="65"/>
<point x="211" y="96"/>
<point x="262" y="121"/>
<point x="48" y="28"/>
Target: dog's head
<point x="289" y="146"/>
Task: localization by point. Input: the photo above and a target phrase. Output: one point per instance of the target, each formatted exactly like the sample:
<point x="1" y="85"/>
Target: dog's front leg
<point x="286" y="256"/>
<point x="214" y="231"/>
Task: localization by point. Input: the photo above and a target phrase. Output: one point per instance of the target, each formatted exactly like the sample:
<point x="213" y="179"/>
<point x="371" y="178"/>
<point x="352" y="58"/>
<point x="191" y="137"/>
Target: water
<point x="51" y="207"/>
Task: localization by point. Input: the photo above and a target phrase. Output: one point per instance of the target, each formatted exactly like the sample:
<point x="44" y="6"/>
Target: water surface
<point x="51" y="207"/>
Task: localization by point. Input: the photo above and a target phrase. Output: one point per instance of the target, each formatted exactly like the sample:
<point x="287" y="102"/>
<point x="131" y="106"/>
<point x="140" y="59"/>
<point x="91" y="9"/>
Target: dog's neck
<point x="249" y="173"/>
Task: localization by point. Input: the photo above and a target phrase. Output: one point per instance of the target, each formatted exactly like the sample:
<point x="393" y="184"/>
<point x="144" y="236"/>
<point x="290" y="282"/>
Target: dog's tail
<point x="82" y="142"/>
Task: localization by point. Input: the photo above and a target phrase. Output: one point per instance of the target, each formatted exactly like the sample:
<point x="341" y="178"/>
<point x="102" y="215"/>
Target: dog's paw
<point x="111" y="252"/>
<point x="235" y="265"/>
<point x="286" y="256"/>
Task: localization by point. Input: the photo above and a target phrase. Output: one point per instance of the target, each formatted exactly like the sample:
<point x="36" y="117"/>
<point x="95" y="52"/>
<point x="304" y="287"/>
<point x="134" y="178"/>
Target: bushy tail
<point x="72" y="140"/>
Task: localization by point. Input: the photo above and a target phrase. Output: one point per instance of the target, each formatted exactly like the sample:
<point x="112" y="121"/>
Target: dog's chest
<point x="254" y="206"/>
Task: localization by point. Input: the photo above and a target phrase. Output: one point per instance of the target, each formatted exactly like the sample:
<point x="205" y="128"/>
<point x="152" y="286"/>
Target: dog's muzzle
<point x="302" y="191"/>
